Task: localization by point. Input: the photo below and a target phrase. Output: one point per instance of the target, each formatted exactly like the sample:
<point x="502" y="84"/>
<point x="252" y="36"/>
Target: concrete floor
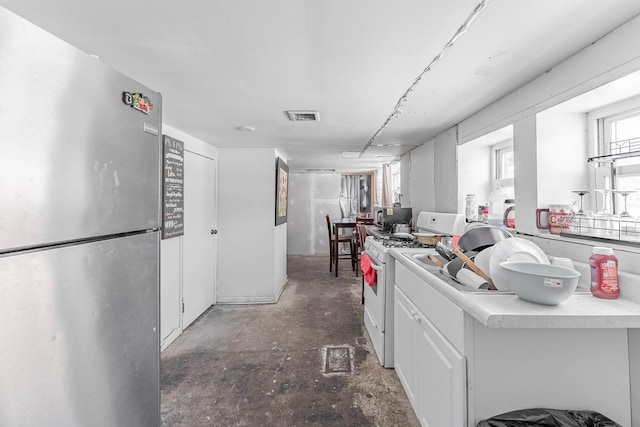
<point x="262" y="365"/>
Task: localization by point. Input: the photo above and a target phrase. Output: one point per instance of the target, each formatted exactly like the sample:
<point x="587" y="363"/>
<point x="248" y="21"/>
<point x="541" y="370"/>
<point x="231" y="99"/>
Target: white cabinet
<point x="405" y="334"/>
<point x="442" y="378"/>
<point x="431" y="370"/>
<point x="457" y="372"/>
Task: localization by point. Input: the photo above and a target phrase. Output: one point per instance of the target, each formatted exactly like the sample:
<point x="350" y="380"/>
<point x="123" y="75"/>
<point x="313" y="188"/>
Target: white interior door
<point x="199" y="249"/>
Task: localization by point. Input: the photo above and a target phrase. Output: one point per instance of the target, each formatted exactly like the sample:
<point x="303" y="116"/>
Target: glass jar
<point x="471" y="208"/>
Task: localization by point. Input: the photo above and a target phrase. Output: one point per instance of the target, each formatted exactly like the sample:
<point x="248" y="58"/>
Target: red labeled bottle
<point x="604" y="273"/>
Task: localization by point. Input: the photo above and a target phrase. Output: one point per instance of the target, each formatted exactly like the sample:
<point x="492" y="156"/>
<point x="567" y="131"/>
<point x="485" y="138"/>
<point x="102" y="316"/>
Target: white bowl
<point x="482" y="260"/>
<point x="512" y="249"/>
<point x="541" y="283"/>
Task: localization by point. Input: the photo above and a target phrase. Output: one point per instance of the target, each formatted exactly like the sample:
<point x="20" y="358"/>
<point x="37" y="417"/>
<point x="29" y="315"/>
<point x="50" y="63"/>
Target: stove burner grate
<point x="395" y="242"/>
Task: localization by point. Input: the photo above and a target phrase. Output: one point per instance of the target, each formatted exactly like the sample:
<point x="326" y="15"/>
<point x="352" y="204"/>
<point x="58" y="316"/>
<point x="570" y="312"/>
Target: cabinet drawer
<point x="447" y="317"/>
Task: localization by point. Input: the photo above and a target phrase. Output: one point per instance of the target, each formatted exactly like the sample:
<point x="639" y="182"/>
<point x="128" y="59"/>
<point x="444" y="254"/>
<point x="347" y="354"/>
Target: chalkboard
<point x="173" y="188"/>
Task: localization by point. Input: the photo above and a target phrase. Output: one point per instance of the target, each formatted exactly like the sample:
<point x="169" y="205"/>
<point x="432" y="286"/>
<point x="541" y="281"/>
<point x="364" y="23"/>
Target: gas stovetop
<point x="395" y="242"/>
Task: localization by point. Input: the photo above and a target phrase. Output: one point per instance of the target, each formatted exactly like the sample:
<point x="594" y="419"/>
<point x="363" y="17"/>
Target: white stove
<point x="378" y="299"/>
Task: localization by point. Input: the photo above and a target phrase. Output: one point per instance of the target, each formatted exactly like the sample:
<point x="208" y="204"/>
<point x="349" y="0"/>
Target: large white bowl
<point x="512" y="249"/>
<point x="482" y="260"/>
<point x="541" y="283"/>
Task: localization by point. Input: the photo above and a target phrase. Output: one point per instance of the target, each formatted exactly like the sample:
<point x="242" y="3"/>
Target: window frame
<point x="396" y="178"/>
<point x="497" y="149"/>
<point x="606" y="122"/>
<point x="600" y="121"/>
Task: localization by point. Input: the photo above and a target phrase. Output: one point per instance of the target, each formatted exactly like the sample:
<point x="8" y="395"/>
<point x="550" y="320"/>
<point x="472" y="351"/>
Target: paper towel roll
<point x="471" y="279"/>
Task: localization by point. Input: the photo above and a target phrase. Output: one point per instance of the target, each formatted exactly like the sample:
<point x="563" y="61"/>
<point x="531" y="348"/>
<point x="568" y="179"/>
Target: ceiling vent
<point x="303" y="116"/>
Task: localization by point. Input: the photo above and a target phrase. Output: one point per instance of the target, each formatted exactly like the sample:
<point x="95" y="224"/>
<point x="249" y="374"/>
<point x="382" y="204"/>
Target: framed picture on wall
<point x="282" y="188"/>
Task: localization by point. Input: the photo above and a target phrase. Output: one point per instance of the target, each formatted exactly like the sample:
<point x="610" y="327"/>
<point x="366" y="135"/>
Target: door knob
<point x="214" y="231"/>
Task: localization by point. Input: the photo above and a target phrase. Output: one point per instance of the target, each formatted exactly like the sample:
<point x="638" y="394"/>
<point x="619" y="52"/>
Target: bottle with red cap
<point x="604" y="273"/>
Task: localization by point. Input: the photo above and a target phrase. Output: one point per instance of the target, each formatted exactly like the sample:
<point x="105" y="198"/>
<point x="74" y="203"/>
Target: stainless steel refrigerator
<point x="79" y="241"/>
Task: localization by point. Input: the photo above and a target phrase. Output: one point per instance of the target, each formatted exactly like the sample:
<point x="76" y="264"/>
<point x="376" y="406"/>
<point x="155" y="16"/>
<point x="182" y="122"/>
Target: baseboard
<point x="245" y="300"/>
<point x="175" y="333"/>
<point x="230" y="300"/>
<point x="281" y="289"/>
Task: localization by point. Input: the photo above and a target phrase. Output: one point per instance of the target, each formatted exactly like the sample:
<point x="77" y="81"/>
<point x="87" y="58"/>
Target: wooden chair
<point x="334" y="247"/>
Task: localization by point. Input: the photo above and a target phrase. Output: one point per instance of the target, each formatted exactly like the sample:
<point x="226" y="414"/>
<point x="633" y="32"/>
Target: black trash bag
<point x="550" y="418"/>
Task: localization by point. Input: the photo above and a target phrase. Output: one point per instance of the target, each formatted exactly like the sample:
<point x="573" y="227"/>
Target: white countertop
<point x="509" y="311"/>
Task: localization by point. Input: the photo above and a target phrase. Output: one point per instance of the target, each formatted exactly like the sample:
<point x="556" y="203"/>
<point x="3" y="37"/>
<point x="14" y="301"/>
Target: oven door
<point x="374" y="310"/>
<point x="374" y="295"/>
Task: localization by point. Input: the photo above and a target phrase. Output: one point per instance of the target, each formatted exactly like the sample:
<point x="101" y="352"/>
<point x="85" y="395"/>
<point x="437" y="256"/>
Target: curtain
<point x="349" y="195"/>
<point x="374" y="189"/>
<point x="355" y="195"/>
<point x="387" y="191"/>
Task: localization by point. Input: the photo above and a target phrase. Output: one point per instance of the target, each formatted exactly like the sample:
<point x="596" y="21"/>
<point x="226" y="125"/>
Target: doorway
<point x="199" y="241"/>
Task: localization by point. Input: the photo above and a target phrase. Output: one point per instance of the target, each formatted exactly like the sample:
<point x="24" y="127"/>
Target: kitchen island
<point x="465" y="357"/>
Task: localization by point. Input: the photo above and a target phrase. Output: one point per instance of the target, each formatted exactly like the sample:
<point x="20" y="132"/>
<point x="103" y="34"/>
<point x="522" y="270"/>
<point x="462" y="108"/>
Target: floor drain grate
<point x="337" y="360"/>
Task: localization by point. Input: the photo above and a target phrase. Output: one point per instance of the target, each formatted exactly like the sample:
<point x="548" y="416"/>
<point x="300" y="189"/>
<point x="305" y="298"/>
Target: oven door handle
<point x="373" y="264"/>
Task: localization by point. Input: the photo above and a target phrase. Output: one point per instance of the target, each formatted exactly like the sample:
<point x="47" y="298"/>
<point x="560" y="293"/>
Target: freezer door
<point x="80" y="341"/>
<point x="77" y="160"/>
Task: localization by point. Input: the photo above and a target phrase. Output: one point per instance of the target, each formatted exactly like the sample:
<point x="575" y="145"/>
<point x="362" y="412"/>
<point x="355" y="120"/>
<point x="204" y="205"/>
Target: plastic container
<point x="604" y="273"/>
<point x="471" y="208"/>
<point x="540" y="283"/>
<point x="496" y="207"/>
<point x="484" y="215"/>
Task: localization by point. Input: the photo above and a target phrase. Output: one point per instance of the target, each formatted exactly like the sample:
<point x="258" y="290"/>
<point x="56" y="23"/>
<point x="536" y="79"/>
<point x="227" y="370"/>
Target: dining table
<point x="345" y="224"/>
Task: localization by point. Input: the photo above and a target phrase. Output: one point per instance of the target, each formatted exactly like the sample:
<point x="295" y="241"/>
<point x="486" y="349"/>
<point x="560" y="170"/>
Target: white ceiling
<point x="224" y="64"/>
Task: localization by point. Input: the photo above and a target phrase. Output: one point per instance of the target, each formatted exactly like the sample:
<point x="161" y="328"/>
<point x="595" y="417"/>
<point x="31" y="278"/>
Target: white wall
<point x="171" y="255"/>
<point x="301" y="219"/>
<point x="311" y="197"/>
<point x="433" y="180"/>
<point x="280" y="276"/>
<point x="562" y="157"/>
<point x="405" y="179"/>
<point x="613" y="56"/>
<point x="474" y="173"/>
<point x="422" y="178"/>
<point x="526" y="167"/>
<point x="446" y="171"/>
<point x="251" y="249"/>
<point x="170" y="290"/>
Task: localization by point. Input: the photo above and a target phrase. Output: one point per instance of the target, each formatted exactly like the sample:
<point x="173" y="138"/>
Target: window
<point x="504" y="163"/>
<point x="503" y="167"/>
<point x="619" y="140"/>
<point x="395" y="182"/>
<point x="355" y="194"/>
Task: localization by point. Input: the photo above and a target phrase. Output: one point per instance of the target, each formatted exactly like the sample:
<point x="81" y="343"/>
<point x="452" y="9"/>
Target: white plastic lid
<point x="601" y="250"/>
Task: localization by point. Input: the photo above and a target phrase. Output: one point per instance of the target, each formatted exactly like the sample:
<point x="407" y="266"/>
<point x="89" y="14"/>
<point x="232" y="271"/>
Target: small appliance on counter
<point x="387" y="216"/>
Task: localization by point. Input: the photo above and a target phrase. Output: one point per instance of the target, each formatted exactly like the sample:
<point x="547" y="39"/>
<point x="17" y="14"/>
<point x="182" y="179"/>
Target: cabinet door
<point x="405" y="350"/>
<point x="442" y="379"/>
